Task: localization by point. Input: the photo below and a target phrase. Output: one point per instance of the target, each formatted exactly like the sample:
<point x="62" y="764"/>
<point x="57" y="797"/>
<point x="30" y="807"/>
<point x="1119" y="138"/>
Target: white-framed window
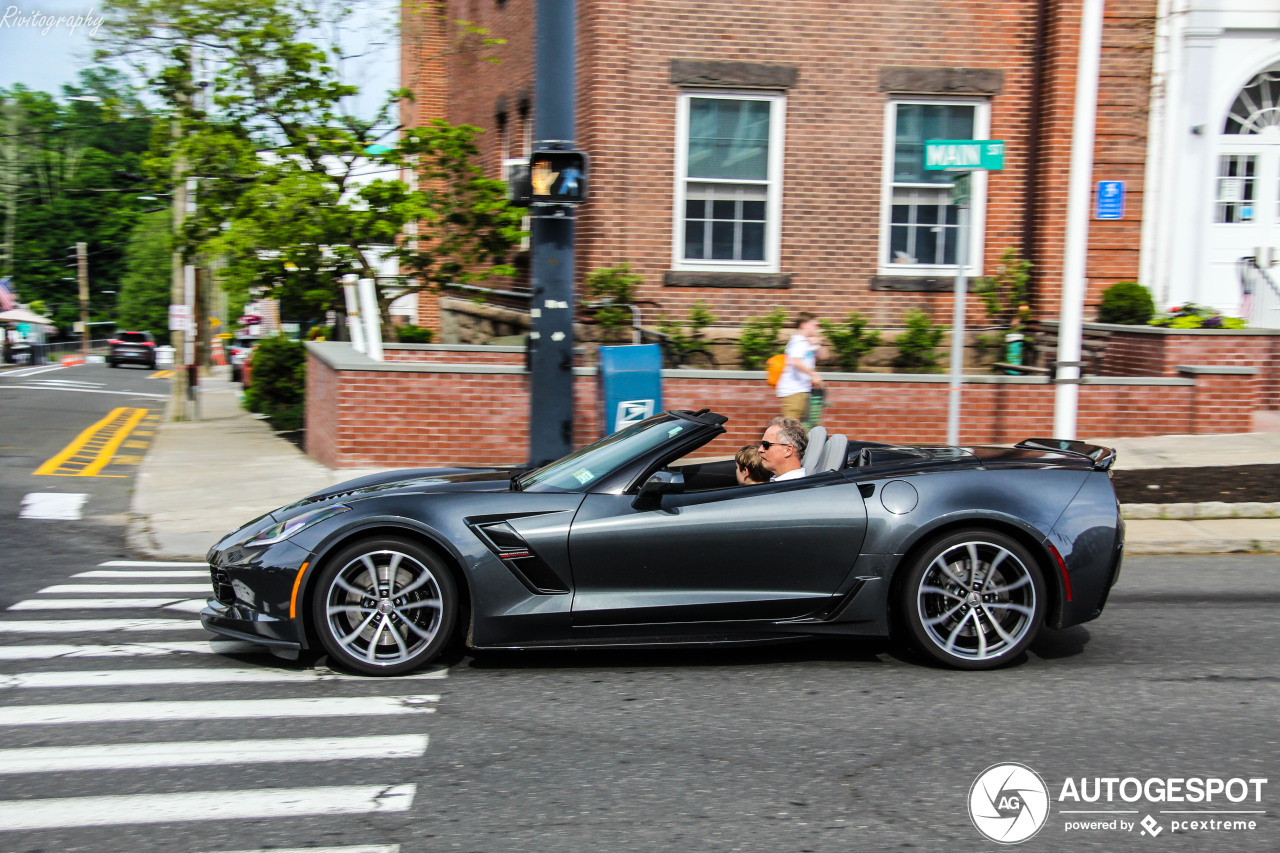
<point x="728" y="194"/>
<point x="919" y="226"/>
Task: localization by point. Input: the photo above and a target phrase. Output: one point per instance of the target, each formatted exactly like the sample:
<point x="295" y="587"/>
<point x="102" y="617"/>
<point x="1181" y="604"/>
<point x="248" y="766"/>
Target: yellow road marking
<point x="93" y="448"/>
<point x="161" y="374"/>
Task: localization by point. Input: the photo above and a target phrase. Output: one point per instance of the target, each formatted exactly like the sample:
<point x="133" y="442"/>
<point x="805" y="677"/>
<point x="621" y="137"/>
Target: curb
<point x="1209" y="509"/>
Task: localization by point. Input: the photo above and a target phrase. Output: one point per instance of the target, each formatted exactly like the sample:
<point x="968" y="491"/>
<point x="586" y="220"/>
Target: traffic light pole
<point x="550" y="353"/>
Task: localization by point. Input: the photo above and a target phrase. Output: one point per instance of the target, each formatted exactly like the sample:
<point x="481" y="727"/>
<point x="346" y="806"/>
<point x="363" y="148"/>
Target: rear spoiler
<point x="1103" y="457"/>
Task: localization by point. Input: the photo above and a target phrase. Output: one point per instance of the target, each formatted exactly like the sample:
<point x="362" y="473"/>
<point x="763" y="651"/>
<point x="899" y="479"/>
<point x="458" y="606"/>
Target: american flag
<point x="7" y="300"/>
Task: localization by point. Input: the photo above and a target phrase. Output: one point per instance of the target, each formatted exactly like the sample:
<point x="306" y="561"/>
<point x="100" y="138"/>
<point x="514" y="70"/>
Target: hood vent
<point x="520" y="559"/>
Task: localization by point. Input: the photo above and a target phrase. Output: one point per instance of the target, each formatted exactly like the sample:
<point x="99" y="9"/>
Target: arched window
<point x="1257" y="107"/>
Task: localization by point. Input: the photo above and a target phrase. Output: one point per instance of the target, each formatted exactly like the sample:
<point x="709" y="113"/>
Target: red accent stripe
<point x="1062" y="567"/>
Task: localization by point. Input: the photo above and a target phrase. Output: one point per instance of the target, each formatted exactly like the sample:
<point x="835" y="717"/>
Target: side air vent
<point x="517" y="556"/>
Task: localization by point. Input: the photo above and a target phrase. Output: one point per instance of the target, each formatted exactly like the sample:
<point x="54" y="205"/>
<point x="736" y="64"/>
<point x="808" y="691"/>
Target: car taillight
<point x="113" y="341"/>
<point x="148" y="343"/>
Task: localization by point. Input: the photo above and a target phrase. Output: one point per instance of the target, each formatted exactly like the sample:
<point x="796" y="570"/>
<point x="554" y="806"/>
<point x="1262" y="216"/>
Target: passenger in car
<point x="782" y="449"/>
<point x="751" y="470"/>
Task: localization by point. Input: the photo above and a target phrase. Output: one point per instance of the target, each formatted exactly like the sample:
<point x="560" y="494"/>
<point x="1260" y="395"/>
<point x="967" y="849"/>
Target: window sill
<point x="914" y="283"/>
<point x="760" y="280"/>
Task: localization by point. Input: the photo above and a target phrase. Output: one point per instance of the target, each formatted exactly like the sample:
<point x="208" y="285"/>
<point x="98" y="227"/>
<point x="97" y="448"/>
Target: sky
<point x="45" y="43"/>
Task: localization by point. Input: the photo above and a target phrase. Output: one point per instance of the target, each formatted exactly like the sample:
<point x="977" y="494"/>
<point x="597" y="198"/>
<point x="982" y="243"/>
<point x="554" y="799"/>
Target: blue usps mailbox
<point x="630" y="385"/>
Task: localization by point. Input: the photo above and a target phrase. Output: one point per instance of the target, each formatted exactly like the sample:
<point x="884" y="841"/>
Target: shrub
<point x="1193" y="316"/>
<point x="1004" y="295"/>
<point x="684" y="337"/>
<point x="616" y="287"/>
<point x="759" y="339"/>
<point x="1127" y="303"/>
<point x="918" y="344"/>
<point x="850" y="340"/>
<point x="278" y="382"/>
<point x="411" y="334"/>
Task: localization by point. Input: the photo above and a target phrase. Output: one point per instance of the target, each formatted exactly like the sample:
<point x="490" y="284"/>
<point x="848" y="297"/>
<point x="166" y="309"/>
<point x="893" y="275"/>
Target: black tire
<point x="973" y="599"/>
<point x="111" y="363"/>
<point x="380" y="632"/>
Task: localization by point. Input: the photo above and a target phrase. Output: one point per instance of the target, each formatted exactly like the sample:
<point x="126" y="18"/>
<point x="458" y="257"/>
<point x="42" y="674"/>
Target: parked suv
<point x="135" y="347"/>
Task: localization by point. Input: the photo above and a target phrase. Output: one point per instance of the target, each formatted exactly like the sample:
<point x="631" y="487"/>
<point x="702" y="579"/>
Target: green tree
<point x="70" y="172"/>
<point x="291" y="191"/>
<point x="145" y="286"/>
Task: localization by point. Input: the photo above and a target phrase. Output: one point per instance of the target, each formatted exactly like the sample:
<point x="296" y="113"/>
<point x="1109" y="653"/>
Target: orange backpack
<point x="773" y="368"/>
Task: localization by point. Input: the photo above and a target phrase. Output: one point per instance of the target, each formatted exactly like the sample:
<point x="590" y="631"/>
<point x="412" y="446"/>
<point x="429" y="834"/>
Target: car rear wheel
<point x="384" y="606"/>
<point x="974" y="599"/>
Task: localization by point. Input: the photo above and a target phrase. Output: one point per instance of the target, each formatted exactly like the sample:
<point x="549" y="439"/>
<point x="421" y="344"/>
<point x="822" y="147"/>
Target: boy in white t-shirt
<point x="800" y="376"/>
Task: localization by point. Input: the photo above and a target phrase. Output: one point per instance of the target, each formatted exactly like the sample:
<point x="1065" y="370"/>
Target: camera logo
<point x="1009" y="803"/>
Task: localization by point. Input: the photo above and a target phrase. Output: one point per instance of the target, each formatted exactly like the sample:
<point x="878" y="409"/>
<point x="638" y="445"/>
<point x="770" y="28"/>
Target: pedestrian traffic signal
<point x="558" y="177"/>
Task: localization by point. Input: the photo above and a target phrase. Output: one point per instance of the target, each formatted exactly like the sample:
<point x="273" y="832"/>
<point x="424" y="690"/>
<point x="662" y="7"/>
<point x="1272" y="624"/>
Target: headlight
<point x="282" y="530"/>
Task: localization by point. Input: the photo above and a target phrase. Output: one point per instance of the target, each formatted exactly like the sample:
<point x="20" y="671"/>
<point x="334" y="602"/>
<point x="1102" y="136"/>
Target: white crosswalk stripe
<point x="358" y="848"/>
<point x="196" y="753"/>
<point x="226" y="709"/>
<point x="190" y="605"/>
<point x="143" y="573"/>
<point x="204" y="806"/>
<point x="41" y="630"/>
<point x="98" y="626"/>
<point x="153" y="677"/>
<point x="151" y="564"/>
<point x="170" y="588"/>
<point x="49" y="651"/>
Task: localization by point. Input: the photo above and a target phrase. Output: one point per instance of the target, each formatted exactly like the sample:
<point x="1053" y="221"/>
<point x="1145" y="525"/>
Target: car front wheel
<point x="384" y="606"/>
<point x="974" y="599"/>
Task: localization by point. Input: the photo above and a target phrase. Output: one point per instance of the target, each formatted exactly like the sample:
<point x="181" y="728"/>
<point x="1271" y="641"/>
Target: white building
<point x="1213" y="173"/>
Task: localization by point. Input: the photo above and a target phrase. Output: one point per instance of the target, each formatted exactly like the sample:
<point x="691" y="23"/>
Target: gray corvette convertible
<point x="965" y="552"/>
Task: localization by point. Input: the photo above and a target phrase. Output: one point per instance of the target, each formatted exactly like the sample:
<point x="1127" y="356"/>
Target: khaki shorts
<point x="795" y="406"/>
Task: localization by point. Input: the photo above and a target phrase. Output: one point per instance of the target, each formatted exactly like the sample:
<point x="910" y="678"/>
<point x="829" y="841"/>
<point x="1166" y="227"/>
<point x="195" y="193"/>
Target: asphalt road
<point x="105" y="744"/>
<point x="818" y="746"/>
<point x="43" y="411"/>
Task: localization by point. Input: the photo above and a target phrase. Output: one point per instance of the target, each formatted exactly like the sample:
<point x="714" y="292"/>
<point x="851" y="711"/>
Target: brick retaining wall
<point x="421" y="408"/>
<point x="1155" y="351"/>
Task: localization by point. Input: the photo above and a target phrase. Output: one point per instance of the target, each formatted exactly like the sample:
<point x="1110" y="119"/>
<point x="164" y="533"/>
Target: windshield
<point x="578" y="470"/>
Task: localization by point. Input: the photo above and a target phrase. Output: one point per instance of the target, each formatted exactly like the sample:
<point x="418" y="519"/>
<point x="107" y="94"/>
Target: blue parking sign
<point x="1110" y="204"/>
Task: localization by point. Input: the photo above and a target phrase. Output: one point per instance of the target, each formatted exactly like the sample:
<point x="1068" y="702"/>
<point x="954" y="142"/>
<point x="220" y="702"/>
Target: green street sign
<point x="963" y="154"/>
<point x="962" y="189"/>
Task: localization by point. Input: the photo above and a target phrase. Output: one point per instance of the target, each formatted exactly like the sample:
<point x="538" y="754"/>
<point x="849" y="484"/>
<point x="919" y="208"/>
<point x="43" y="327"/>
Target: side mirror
<point x="659" y="484"/>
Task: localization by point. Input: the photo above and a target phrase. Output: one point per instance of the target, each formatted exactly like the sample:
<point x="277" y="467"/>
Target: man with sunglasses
<point x="782" y="449"/>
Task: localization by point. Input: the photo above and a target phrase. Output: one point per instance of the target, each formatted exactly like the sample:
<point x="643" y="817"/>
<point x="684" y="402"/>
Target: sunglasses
<point x="765" y="445"/>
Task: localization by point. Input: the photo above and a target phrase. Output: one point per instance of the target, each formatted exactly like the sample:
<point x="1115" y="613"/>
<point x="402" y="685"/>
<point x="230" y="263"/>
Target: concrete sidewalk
<point x="202" y="479"/>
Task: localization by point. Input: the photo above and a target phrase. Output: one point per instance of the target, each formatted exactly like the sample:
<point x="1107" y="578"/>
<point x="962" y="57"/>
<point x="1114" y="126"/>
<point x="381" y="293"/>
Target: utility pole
<point x="82" y="275"/>
<point x="1071" y="323"/>
<point x="178" y="290"/>
<point x="551" y="241"/>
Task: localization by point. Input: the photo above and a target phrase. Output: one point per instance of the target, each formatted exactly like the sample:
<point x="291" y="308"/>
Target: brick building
<point x="752" y="155"/>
